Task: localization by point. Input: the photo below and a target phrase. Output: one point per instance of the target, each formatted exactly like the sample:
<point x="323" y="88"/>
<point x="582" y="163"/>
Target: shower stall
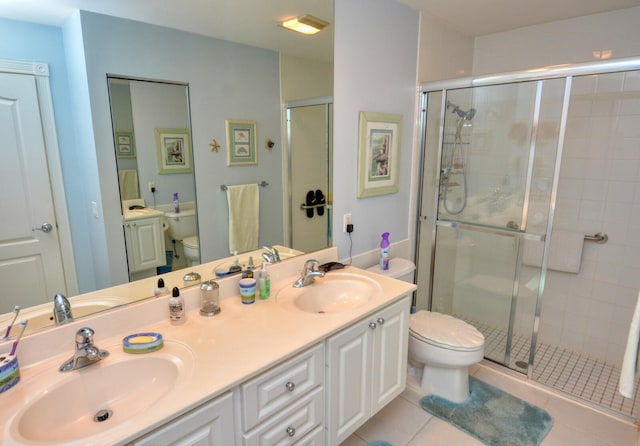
<point x="529" y="213"/>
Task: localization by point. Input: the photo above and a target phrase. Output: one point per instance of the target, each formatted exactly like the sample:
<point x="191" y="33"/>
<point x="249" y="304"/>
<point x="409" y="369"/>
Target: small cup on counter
<point x="248" y="290"/>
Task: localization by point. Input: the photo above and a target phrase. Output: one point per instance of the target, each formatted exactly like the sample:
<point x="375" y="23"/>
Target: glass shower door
<point x="497" y="163"/>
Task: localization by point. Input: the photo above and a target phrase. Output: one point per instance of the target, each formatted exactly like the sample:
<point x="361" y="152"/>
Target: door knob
<point x="45" y="227"/>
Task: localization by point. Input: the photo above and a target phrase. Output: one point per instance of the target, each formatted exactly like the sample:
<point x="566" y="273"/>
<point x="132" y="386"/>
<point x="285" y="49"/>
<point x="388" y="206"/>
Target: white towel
<point x="129" y="184"/>
<point x="244" y="214"/>
<point x="565" y="254"/>
<point x="631" y="359"/>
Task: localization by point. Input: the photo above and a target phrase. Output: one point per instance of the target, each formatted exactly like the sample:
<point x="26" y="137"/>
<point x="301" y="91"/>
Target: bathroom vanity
<point x="144" y="235"/>
<point x="275" y="372"/>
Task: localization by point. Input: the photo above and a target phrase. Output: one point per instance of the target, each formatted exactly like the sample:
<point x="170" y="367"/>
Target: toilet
<point x="444" y="347"/>
<point x="441" y="347"/>
<point x="183" y="228"/>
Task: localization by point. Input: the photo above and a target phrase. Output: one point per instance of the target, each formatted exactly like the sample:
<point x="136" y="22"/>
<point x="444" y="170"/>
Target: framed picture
<point x="174" y="151"/>
<point x="125" y="144"/>
<point x="378" y="153"/>
<point x="241" y="142"/>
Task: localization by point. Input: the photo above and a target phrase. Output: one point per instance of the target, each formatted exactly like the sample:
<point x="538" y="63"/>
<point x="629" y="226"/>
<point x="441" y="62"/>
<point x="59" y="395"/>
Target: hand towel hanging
<point x="244" y="216"/>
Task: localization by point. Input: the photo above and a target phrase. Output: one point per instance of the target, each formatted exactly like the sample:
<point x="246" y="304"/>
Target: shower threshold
<point x="588" y="379"/>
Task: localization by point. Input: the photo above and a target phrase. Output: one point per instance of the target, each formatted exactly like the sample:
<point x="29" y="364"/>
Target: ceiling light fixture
<point x="306" y="24"/>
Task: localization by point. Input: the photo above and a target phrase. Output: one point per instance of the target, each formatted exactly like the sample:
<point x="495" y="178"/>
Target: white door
<point x="31" y="268"/>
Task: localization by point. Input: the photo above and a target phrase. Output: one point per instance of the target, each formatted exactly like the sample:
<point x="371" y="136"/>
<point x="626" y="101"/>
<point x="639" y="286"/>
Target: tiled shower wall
<point x="599" y="190"/>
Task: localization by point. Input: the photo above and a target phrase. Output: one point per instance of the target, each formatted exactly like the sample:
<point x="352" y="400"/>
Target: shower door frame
<point x="568" y="72"/>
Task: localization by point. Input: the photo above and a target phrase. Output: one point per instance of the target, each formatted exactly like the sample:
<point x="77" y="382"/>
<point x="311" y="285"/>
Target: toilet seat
<point x="190" y="242"/>
<point x="444" y="331"/>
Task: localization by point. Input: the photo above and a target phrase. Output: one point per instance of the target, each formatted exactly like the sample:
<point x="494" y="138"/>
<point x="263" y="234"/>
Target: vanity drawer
<point x="291" y="425"/>
<point x="278" y="388"/>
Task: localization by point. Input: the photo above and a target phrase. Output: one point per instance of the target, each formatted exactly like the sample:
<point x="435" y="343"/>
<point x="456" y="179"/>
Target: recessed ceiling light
<point x="306" y="24"/>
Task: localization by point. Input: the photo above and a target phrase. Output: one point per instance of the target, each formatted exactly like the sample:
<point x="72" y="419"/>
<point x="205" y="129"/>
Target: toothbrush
<point x="16" y="310"/>
<point x="23" y="325"/>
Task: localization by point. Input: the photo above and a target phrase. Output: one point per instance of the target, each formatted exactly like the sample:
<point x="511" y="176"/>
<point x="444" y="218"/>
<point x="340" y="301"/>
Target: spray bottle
<point x="384" y="252"/>
<point x="176" y="203"/>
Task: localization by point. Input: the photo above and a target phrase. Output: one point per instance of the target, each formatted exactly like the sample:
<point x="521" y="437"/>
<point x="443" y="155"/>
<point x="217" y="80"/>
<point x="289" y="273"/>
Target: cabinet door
<point x="348" y="381"/>
<point x="209" y="425"/>
<point x="146" y="244"/>
<point x="390" y="354"/>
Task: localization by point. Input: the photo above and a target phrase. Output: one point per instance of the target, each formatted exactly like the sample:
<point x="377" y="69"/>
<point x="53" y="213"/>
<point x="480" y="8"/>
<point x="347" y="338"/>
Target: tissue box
<point x="9" y="372"/>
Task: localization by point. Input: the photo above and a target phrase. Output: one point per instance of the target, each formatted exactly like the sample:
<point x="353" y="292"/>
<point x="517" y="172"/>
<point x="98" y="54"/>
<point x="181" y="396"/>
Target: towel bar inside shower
<point x="599" y="237"/>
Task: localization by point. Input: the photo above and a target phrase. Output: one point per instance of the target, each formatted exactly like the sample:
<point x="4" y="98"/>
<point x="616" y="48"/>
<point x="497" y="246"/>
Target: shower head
<point x="466" y="115"/>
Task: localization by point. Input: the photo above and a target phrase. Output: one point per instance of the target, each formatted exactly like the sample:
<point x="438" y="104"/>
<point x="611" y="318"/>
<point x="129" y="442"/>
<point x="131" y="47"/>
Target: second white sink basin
<point x="89" y="401"/>
<point x="334" y="293"/>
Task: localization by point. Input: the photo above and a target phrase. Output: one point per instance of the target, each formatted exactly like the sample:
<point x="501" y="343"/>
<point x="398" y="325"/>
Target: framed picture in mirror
<point x="241" y="142"/>
<point x="174" y="151"/>
<point x="125" y="144"/>
<point x="378" y="153"/>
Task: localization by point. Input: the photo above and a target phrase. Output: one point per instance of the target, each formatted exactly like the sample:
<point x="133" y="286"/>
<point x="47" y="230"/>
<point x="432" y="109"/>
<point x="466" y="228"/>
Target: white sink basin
<point x="116" y="389"/>
<point x="334" y="293"/>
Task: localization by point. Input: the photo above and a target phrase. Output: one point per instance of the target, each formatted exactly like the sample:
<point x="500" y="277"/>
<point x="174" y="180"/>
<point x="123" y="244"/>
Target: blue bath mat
<point x="492" y="416"/>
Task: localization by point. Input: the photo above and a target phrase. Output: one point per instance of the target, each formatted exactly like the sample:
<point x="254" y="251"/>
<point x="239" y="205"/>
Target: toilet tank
<point x="182" y="224"/>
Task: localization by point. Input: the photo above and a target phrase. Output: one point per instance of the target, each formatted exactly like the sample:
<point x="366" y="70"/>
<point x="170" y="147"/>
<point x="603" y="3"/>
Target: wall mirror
<point x="154" y="158"/>
<point x="224" y="80"/>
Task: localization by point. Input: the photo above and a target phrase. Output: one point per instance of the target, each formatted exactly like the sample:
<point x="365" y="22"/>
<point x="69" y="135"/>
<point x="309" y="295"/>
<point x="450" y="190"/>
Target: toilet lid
<point x="445" y="331"/>
<point x="191" y="241"/>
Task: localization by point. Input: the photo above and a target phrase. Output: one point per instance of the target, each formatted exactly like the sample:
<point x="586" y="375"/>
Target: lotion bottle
<point x="161" y="289"/>
<point x="264" y="282"/>
<point x="176" y="307"/>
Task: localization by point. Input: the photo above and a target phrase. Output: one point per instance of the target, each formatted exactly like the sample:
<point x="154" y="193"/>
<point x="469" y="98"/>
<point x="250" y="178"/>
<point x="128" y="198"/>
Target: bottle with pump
<point x="161" y="289"/>
<point x="264" y="282"/>
<point x="384" y="252"/>
<point x="176" y="307"/>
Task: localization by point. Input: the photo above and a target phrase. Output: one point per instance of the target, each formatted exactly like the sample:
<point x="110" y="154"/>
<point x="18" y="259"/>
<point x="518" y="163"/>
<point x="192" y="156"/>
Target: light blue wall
<point x="39" y="43"/>
<point x="375" y="70"/>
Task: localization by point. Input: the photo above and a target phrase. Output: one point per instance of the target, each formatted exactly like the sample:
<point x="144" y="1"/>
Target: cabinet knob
<point x="291" y="431"/>
<point x="290" y="386"/>
<point x="372" y="325"/>
<point x="380" y="320"/>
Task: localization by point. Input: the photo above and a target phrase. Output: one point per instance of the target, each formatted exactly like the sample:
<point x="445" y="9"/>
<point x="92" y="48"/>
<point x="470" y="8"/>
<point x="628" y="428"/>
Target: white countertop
<point x="239" y="343"/>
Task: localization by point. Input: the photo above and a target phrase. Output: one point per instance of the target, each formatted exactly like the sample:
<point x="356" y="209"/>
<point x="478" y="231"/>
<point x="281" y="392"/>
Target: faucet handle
<point x="311" y="265"/>
<point x="84" y="336"/>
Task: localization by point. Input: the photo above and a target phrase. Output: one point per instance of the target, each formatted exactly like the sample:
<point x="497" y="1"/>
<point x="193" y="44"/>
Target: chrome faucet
<point x="86" y="352"/>
<point x="272" y="255"/>
<point x="62" y="310"/>
<point x="309" y="272"/>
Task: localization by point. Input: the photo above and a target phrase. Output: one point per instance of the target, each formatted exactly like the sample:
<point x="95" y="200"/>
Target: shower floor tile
<point x="585" y="378"/>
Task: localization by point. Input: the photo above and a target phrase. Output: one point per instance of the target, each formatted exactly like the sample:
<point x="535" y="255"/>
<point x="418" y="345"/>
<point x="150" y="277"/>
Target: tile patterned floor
<point x="404" y="423"/>
<point x="589" y="379"/>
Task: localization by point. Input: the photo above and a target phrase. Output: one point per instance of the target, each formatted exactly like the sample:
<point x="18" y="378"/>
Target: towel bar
<point x="599" y="237"/>
<point x="223" y="187"/>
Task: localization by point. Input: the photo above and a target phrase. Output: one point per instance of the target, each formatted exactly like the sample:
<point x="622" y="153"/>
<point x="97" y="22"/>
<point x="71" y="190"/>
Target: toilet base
<point x="449" y="383"/>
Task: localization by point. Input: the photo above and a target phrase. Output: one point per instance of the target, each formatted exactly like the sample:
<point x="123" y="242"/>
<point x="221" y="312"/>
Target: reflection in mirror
<point x="226" y="80"/>
<point x="155" y="173"/>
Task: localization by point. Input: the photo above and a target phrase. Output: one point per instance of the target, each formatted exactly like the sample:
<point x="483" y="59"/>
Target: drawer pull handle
<point x="291" y="431"/>
<point x="380" y="320"/>
<point x="372" y="325"/>
<point x="290" y="386"/>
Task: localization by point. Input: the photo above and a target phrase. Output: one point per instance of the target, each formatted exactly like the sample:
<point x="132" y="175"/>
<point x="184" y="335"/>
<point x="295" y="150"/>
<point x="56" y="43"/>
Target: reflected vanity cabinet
<point x="145" y="243"/>
<point x="366" y="369"/>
